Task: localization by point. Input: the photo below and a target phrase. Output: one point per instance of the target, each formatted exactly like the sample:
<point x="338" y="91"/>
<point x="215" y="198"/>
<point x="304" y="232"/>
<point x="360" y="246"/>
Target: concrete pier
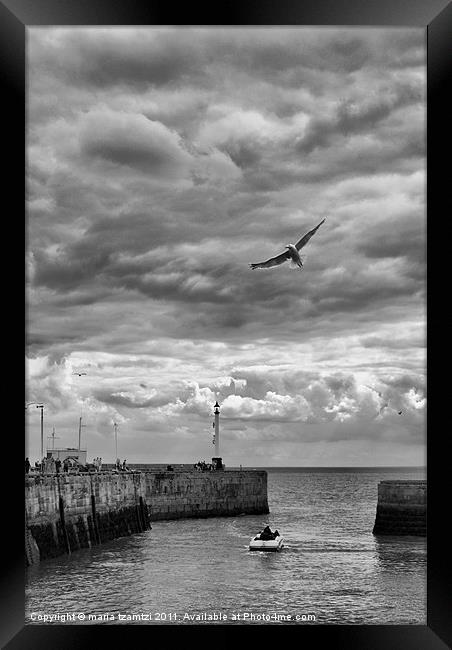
<point x="401" y="508"/>
<point x="66" y="512"/>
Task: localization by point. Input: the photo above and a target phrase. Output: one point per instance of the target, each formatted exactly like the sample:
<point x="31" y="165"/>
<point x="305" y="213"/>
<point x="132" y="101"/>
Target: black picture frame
<point x="433" y="15"/>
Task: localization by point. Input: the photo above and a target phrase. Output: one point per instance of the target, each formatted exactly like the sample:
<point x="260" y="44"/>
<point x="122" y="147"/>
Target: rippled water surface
<point x="332" y="565"/>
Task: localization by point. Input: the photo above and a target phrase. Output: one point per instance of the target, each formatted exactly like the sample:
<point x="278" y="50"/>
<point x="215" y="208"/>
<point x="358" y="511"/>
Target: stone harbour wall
<point x="67" y="512"/>
<point x="173" y="495"/>
<point x="401" y="508"/>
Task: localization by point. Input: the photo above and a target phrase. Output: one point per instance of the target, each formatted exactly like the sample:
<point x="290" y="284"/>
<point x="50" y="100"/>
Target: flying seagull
<point x="79" y="373"/>
<point x="290" y="254"/>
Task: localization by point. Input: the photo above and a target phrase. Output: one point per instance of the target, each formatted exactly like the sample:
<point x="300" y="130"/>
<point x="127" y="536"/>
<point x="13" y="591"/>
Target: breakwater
<point x="401" y="508"/>
<point x="67" y="512"/>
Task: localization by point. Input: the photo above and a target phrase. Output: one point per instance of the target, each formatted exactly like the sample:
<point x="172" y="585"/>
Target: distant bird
<point x="400" y="412"/>
<point x="290" y="254"/>
<point x="79" y="373"/>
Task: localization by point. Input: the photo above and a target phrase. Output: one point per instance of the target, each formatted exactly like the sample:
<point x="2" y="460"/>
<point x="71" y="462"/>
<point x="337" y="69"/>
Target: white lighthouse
<point x="216" y="410"/>
<point x="217" y="461"/>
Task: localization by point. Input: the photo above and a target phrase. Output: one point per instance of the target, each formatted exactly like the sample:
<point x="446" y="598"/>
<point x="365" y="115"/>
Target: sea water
<point x="332" y="570"/>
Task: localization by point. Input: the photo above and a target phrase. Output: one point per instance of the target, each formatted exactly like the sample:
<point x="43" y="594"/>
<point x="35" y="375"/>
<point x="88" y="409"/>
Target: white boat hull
<point x="267" y="544"/>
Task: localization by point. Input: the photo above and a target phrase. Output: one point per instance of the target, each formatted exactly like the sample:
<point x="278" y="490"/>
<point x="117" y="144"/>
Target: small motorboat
<point x="267" y="541"/>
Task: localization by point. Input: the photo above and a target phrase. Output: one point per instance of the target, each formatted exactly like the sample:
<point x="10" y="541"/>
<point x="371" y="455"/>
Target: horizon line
<point x="340" y="466"/>
<point x="297" y="466"/>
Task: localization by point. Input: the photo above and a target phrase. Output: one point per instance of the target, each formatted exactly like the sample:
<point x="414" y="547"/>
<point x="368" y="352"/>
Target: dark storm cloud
<point x="401" y="237"/>
<point x="366" y="292"/>
<point x="394" y="156"/>
<point x="135" y="141"/>
<point x="36" y="340"/>
<point x="350" y="118"/>
<point x="118" y="399"/>
<point x="63" y="271"/>
<point x="136" y="57"/>
<point x="242" y="154"/>
<point x="78" y="298"/>
<point x="102" y="57"/>
<point x="254" y="302"/>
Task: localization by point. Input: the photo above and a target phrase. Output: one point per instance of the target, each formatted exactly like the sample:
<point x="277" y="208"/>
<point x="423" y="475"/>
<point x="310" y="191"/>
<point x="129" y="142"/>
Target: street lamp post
<point x="80" y="425"/>
<point x="39" y="406"/>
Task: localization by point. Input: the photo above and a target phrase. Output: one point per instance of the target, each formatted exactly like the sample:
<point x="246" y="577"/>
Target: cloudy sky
<point x="161" y="161"/>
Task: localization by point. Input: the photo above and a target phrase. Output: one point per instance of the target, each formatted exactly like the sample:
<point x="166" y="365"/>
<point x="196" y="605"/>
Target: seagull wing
<point x="304" y="240"/>
<point x="273" y="261"/>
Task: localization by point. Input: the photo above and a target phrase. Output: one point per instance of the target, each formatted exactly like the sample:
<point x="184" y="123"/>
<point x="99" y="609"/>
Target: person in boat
<point x="266" y="534"/>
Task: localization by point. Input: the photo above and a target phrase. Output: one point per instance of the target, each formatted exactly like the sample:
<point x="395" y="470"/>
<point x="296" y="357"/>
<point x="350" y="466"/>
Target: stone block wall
<point x="66" y="512"/>
<point x="172" y="495"/>
<point x="401" y="508"/>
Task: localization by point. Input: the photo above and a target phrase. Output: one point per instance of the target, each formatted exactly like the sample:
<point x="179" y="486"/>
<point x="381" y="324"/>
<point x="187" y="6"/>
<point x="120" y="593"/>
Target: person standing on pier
<point x="27" y="466"/>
